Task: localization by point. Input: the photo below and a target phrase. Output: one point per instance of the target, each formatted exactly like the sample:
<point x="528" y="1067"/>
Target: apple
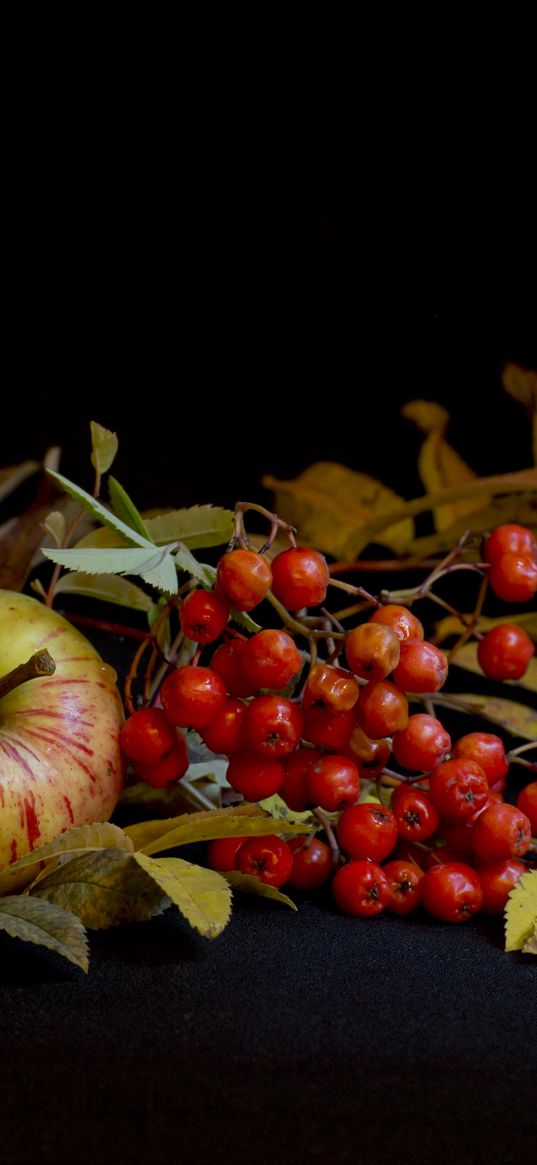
<point x="60" y="761"/>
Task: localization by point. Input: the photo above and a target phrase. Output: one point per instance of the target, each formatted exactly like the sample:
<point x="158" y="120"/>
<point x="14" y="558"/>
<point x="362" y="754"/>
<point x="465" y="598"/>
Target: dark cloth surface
<point x="294" y="1036"/>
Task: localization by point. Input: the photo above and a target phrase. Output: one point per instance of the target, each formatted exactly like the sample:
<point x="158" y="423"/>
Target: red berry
<point x="327" y="728"/>
<point x="372" y="650"/>
<point x="147" y="735"/>
<point x="404" y="879"/>
<point x="400" y="619"/>
<point x="458" y="789"/>
<point x="203" y="616"/>
<point x="513" y="577"/>
<point x="361" y="888"/>
<point x="421" y="668"/>
<point x="243" y="578"/>
<point x="371" y="756"/>
<point x="451" y="892"/>
<point x="459" y="836"/>
<point x="527" y="802"/>
<point x="330" y="687"/>
<point x="497" y="880"/>
<point x="191" y="696"/>
<point x="367" y="831"/>
<point x="486" y="750"/>
<point x="295" y="790"/>
<point x="502" y="831"/>
<point x="312" y="863"/>
<point x="267" y="858"/>
<point x="171" y="767"/>
<point x="509" y="538"/>
<point x="382" y="709"/>
<point x="333" y="782"/>
<point x="256" y="777"/>
<point x="414" y="812"/>
<point x="224" y="733"/>
<point x="227" y="662"/>
<point x="422" y="744"/>
<point x="271" y="660"/>
<point x="300" y="577"/>
<point x="272" y="725"/>
<point x="504" y="652"/>
<point x="222" y="853"/>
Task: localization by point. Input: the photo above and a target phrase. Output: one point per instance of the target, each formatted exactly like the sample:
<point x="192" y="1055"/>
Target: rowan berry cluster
<point x="321" y="733"/>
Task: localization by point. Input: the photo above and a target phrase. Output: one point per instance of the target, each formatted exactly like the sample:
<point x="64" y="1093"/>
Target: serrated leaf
<point x="251" y="885"/>
<point x="330" y="504"/>
<point x="518" y="719"/>
<point x="103" y="888"/>
<point x="104" y="446"/>
<point x="521" y="912"/>
<point x="198" y="527"/>
<point x="157" y="836"/>
<point x="244" y="620"/>
<point x="100" y="835"/>
<point x="530" y="946"/>
<point x="109" y="588"/>
<point x="203" y="896"/>
<point x="46" y="925"/>
<point x="55" y="525"/>
<point x="125" y="509"/>
<point x="156" y="567"/>
<point x="186" y="561"/>
<point x="466" y="657"/>
<point x="100" y="512"/>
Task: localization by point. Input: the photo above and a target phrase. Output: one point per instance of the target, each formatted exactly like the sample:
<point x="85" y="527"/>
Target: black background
<point x="245" y="267"/>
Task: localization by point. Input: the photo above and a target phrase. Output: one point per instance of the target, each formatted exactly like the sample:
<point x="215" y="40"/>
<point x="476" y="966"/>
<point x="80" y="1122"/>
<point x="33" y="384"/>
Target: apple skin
<point x="60" y="761"/>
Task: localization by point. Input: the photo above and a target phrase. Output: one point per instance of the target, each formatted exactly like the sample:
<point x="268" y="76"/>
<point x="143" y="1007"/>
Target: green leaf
<point x="184" y="560"/>
<point x="125" y="509"/>
<point x="100" y="512"/>
<point x="156" y="567"/>
<point x="245" y="621"/>
<point x="197" y="526"/>
<point x="54" y="525"/>
<point x="104" y="446"/>
<point x="251" y="885"/>
<point x="521" y="912"/>
<point x="46" y="925"/>
<point x="20" y="874"/>
<point x="103" y="888"/>
<point x="203" y="896"/>
<point x="109" y="588"/>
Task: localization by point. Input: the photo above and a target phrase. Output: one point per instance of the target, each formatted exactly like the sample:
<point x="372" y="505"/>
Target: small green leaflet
<point x="104" y="446"/>
<point x="125" y="509"/>
<point x="184" y="560"/>
<point x="98" y="511"/>
<point x="111" y="588"/>
<point x="155" y="566"/>
<point x="46" y="925"/>
<point x="203" y="896"/>
<point x="196" y="526"/>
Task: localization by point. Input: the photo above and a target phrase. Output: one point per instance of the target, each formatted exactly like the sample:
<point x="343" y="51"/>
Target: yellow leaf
<point x="46" y="925"/>
<point x="103" y="888"/>
<point x="466" y="657"/>
<point x="20" y="874"/>
<point x="530" y="946"/>
<point x="521" y="383"/>
<point x="203" y="896"/>
<point x="521" y="912"/>
<point x="218" y="826"/>
<point x="252" y="885"/>
<point x="518" y="719"/>
<point x="329" y="504"/>
<point x="143" y="833"/>
<point x="521" y="509"/>
<point x="439" y="464"/>
<point x="453" y="626"/>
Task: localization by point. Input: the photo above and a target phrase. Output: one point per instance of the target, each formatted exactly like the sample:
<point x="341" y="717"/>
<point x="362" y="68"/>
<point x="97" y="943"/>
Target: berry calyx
<point x="361" y="888"/>
<point x="404" y="880"/>
<point x="451" y="892"/>
<point x="458" y="789"/>
<point x="267" y="858"/>
<point x="372" y="650"/>
<point x="272" y="725"/>
<point x="367" y="831"/>
<point x="415" y="815"/>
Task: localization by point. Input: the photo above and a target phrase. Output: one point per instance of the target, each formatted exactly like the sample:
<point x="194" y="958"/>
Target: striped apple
<point x="60" y="762"/>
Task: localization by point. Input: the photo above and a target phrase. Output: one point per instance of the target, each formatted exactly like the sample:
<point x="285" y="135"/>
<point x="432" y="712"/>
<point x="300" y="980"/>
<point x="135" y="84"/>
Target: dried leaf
<point x="109" y="588"/>
<point x="520" y="508"/>
<point x="518" y="719"/>
<point x="439" y="464"/>
<point x="104" y="446"/>
<point x="54" y="525"/>
<point x="203" y="896"/>
<point x="251" y="885"/>
<point x="521" y="912"/>
<point x="125" y="509"/>
<point x="466" y="657"/>
<point x="46" y="925"/>
<point x="103" y="834"/>
<point x="103" y="888"/>
<point x="330" y="504"/>
<point x="521" y="384"/>
<point x="449" y="626"/>
<point x="14" y="475"/>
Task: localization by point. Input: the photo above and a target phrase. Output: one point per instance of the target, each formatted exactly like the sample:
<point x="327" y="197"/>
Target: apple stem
<point x="39" y="664"/>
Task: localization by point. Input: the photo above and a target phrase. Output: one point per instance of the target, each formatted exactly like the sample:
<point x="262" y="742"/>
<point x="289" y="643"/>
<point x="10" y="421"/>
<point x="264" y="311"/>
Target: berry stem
<point x="326" y="824"/>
